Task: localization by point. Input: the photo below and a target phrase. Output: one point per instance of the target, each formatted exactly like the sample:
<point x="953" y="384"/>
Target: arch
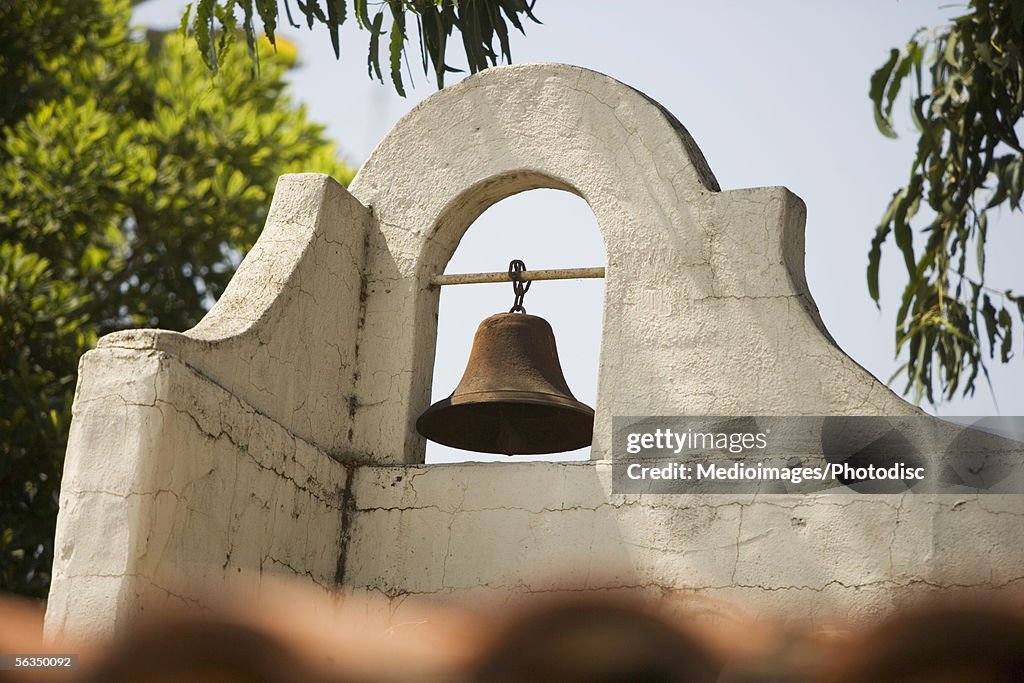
<point x="457" y="217"/>
<point x="703" y="288"/>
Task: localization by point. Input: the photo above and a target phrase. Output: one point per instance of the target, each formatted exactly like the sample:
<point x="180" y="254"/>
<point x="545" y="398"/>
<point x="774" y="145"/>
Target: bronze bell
<point x="513" y="398"/>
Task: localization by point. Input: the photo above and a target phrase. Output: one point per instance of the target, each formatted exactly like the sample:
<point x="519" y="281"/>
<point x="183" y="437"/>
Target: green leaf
<point x="953" y="41"/>
<point x="397" y="46"/>
<point x="875" y="258"/>
<point x="362" y="17"/>
<point x="1006" y="349"/>
<point x="496" y="21"/>
<point x="203" y="28"/>
<point x="988" y="311"/>
<point x="373" y="57"/>
<point x="267" y="10"/>
<point x="250" y="38"/>
<point x="879" y="79"/>
<point x="336" y="13"/>
<point x="981" y="238"/>
<point x="185" y="20"/>
<point x="905" y="208"/>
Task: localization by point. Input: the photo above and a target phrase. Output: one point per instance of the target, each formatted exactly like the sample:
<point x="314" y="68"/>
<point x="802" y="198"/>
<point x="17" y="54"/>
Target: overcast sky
<point x="773" y="93"/>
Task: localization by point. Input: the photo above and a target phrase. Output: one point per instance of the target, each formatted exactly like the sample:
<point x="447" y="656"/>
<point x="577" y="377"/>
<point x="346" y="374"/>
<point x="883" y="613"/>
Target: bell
<point x="513" y="398"/>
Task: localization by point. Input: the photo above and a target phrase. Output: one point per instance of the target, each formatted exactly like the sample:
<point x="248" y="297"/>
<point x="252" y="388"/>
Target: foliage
<point x="967" y="96"/>
<point x="215" y="22"/>
<point x="130" y="186"/>
<point x="40" y="40"/>
<point x="44" y="333"/>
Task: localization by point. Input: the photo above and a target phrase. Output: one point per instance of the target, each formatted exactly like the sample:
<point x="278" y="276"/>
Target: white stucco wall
<point x="706" y="306"/>
<point x="175" y="486"/>
<point x="277" y="436"/>
<point x="499" y="530"/>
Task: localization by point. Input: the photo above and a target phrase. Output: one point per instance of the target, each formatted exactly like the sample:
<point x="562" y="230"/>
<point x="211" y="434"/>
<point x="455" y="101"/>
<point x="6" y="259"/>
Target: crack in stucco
<point x="348" y="506"/>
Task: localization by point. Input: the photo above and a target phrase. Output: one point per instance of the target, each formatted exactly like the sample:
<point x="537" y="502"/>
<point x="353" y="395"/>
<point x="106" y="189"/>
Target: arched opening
<point x="547" y="229"/>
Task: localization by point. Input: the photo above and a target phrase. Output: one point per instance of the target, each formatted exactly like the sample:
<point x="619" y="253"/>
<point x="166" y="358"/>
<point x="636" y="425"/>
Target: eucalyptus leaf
<point x="478" y="22"/>
<point x="965" y="96"/>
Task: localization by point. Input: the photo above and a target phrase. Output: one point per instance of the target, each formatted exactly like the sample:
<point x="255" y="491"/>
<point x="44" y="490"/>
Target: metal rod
<point x="480" y="278"/>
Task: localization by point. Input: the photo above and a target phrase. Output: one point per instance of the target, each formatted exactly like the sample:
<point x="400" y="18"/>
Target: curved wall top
<point x="706" y="306"/>
<point x="330" y="323"/>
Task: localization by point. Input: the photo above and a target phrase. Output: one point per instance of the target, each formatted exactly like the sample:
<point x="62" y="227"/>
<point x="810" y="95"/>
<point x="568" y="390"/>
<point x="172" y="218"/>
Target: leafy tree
<point x="215" y="22"/>
<point x="130" y="186"/>
<point x="44" y="332"/>
<point x="966" y="84"/>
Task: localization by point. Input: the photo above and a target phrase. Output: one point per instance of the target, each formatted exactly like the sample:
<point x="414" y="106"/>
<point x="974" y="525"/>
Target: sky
<point x="773" y="93"/>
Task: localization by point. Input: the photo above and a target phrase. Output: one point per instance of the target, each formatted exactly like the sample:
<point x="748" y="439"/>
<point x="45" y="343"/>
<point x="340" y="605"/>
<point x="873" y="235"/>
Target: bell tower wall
<point x="277" y="437"/>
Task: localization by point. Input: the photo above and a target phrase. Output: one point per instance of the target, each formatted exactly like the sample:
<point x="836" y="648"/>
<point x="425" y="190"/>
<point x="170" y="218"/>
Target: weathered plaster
<point x="706" y="306"/>
<point x="281" y="337"/>
<point x="175" y="485"/>
<point x="496" y="530"/>
<point x="277" y="436"/>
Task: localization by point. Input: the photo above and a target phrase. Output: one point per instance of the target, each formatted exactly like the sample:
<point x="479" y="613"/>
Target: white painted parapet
<point x="495" y="531"/>
<point x="277" y="435"/>
<point x="706" y="308"/>
<point x="195" y="456"/>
